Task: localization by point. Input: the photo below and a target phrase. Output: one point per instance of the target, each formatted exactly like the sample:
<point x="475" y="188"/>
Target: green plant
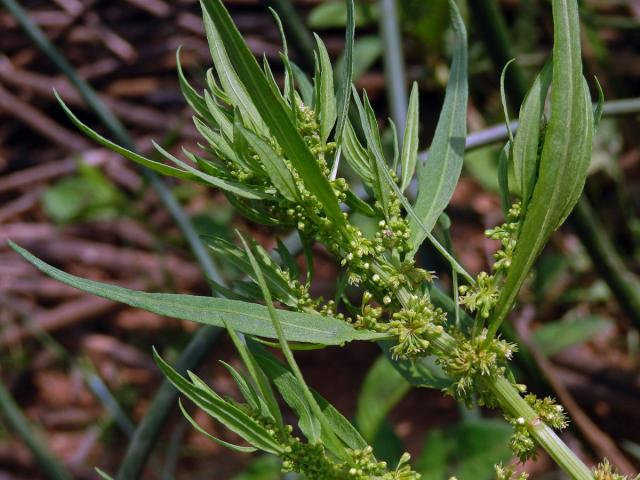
<point x="276" y="155"/>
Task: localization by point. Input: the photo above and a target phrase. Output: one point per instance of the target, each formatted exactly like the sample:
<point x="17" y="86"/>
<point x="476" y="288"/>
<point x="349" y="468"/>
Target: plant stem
<point x="505" y="393"/>
<point x="394" y="62"/>
<point x="16" y="420"/>
<point x="512" y="402"/>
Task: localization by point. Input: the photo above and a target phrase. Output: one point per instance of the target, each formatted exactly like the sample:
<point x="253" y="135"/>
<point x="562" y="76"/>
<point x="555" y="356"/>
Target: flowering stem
<point x="512" y="402"/>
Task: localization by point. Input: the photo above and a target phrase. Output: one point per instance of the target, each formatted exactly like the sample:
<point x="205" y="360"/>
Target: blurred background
<point x="78" y="368"/>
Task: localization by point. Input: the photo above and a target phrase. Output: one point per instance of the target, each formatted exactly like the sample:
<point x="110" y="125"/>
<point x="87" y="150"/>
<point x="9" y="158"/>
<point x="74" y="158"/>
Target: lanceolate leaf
<point x="565" y="155"/>
<point x="194" y="424"/>
<point x="438" y="176"/>
<point x="409" y="154"/>
<point x="225" y="412"/>
<point x="525" y="144"/>
<point x="274" y="165"/>
<point x="244" y="317"/>
<point x="272" y="110"/>
<point x="289" y="388"/>
<point x="344" y="85"/>
<point x="382" y="389"/>
<point x="326" y="97"/>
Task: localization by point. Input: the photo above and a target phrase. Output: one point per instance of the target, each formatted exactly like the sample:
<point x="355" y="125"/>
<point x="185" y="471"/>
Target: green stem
<point x="444" y="344"/>
<point x="512" y="402"/>
<point x="19" y="424"/>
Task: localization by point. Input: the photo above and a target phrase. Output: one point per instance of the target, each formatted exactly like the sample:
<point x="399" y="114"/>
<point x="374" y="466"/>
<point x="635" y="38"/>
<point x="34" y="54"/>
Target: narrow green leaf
<point x="258" y="376"/>
<point x="194" y="424"/>
<point x="284" y="378"/>
<point x="139" y="159"/>
<point x="554" y="337"/>
<point x="228" y="414"/>
<point x="356" y="154"/>
<point x="246" y="390"/>
<point x="597" y="112"/>
<point x="344" y="85"/>
<point x="243" y="317"/>
<point x="193" y="98"/>
<point x="232" y="187"/>
<point x="503" y="178"/>
<point x="565" y="156"/>
<point x="235" y="89"/>
<point x="274" y="165"/>
<point x="228" y="252"/>
<point x="102" y="474"/>
<point x="438" y="175"/>
<point x="375" y="153"/>
<point x="273" y="111"/>
<point x="220" y="116"/>
<point x="409" y="155"/>
<point x="382" y="389"/>
<point x="304" y="84"/>
<point x="326" y="97"/>
<point x="529" y="135"/>
<point x="288" y="260"/>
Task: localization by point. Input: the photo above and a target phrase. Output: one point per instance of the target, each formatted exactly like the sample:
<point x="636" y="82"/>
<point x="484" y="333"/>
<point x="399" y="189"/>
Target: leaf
<point x="344" y="86"/>
<point x="103" y="474"/>
<point x="232" y="187"/>
<point x="527" y="139"/>
<point x="503" y="178"/>
<point x="326" y="98"/>
<point x="88" y="195"/>
<point x="194" y="424"/>
<point x="193" y="98"/>
<point x="467" y="451"/>
<point x="375" y="153"/>
<point x="409" y="155"/>
<point x="272" y="110"/>
<point x="565" y="156"/>
<point x="438" y="175"/>
<point x="554" y="337"/>
<point x="304" y="84"/>
<point x="274" y="165"/>
<point x="284" y="379"/>
<point x="423" y="372"/>
<point x="382" y="389"/>
<point x="356" y="155"/>
<point x="228" y="252"/>
<point x="243" y="317"/>
<point x="228" y="414"/>
<point x="235" y="89"/>
<point x="139" y="159"/>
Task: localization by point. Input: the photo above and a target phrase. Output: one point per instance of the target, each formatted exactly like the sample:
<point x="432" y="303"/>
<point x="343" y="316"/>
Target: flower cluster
<point x="548" y="411"/>
<point x="521" y="443"/>
<point x="605" y="471"/>
<point x="483" y="296"/>
<point x="413" y="326"/>
<point x="509" y="473"/>
<point x="472" y="360"/>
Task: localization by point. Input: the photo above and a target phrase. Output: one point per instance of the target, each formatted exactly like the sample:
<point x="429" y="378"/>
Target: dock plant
<point x="277" y="154"/>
